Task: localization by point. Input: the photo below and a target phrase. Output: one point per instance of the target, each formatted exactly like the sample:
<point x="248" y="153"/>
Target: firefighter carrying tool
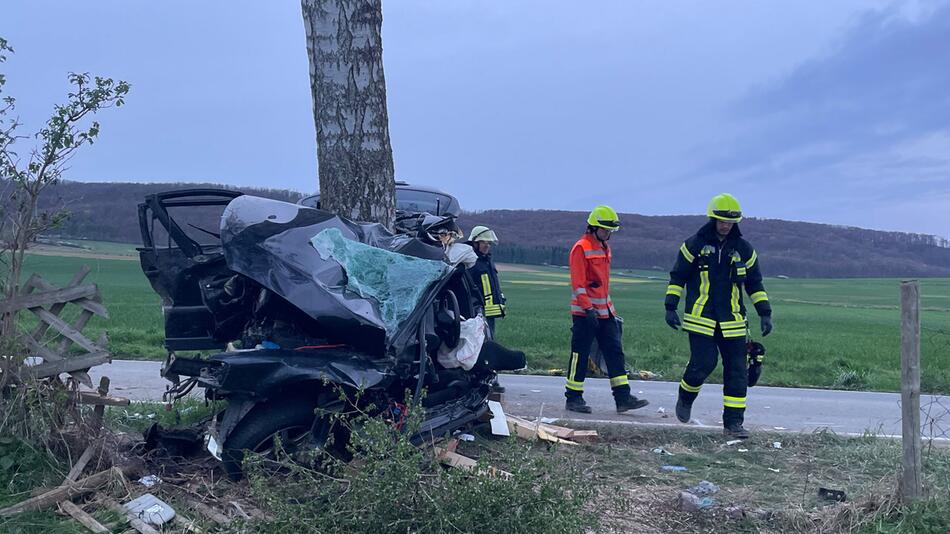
<point x="712" y="267"/>
<point x="594" y="315"/>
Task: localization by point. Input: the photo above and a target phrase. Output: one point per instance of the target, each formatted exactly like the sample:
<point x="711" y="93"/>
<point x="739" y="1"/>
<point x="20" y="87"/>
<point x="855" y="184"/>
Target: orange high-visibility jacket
<point x="590" y="277"/>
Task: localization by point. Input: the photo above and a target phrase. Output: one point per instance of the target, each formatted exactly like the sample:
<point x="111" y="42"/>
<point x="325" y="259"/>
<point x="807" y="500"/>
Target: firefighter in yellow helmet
<point x="713" y="267"/>
<point x="594" y="315"/>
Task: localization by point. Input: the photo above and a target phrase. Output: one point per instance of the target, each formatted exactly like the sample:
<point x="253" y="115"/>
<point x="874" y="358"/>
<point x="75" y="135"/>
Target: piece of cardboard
<point x="499" y="422"/>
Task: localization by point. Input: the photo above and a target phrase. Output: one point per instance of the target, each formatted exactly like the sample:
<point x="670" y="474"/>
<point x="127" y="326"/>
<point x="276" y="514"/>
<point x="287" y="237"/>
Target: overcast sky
<point x="835" y="112"/>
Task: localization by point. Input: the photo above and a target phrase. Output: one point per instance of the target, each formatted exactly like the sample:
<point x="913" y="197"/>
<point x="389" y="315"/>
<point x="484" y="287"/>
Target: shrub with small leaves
<point x="390" y="485"/>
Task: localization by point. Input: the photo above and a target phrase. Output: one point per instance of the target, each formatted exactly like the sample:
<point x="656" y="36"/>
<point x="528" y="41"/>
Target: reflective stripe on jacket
<point x="713" y="274"/>
<point x="590" y="277"/>
<point x="485" y="276"/>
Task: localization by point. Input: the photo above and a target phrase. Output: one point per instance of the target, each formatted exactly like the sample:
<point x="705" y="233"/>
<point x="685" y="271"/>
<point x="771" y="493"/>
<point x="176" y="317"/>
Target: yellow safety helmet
<point x="604" y="217"/>
<point x="725" y="207"/>
<point x="483" y="233"/>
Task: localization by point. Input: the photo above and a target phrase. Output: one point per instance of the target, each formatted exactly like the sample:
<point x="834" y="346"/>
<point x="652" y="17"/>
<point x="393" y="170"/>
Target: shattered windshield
<point x="395" y="281"/>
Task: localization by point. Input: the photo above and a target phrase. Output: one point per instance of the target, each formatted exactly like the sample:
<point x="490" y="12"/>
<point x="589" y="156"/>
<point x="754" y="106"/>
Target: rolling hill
<point x="107" y="212"/>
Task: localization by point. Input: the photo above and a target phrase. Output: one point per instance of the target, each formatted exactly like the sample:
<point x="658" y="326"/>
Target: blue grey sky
<point x="832" y="112"/>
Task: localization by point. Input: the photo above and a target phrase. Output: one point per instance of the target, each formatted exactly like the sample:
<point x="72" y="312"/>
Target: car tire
<point x="290" y="419"/>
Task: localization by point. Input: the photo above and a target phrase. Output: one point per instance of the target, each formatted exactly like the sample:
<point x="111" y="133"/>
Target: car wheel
<point x="288" y="421"/>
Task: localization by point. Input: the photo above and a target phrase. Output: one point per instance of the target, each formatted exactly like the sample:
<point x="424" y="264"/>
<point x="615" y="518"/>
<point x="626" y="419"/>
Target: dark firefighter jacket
<point x="485" y="276"/>
<point x="713" y="274"/>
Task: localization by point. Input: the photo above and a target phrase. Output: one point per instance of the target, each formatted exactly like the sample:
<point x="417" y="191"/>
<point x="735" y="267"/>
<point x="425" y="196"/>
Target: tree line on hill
<point x="796" y="249"/>
<point x="108" y="212"/>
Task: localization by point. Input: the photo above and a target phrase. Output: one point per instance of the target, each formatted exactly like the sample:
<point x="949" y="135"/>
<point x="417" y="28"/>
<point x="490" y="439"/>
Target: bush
<point x="392" y="486"/>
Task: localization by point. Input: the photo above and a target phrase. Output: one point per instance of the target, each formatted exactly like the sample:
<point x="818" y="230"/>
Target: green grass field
<point x="828" y="333"/>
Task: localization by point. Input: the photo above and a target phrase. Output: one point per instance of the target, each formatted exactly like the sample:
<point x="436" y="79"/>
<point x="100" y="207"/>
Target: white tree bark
<point x="355" y="157"/>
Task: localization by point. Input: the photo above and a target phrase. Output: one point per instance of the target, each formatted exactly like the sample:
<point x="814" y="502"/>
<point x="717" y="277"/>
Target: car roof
<point x="452" y="208"/>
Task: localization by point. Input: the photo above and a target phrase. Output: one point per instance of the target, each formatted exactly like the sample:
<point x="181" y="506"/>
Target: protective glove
<point x="591" y="317"/>
<point x="766" y="324"/>
<point x="673" y="319"/>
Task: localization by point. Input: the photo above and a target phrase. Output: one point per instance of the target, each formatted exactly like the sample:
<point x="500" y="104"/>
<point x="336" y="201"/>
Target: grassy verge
<point x="616" y="485"/>
<point x="777" y="488"/>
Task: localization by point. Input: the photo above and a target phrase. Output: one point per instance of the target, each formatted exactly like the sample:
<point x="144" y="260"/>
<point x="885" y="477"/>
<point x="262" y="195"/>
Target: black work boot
<point x="683" y="411"/>
<point x="577" y="404"/>
<point x="630" y="402"/>
<point x="735" y="431"/>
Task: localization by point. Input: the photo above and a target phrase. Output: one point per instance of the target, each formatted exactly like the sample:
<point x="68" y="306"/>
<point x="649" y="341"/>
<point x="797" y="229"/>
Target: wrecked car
<point x="306" y="314"/>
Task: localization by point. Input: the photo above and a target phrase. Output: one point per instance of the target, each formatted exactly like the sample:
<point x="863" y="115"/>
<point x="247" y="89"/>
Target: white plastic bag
<point x="465" y="353"/>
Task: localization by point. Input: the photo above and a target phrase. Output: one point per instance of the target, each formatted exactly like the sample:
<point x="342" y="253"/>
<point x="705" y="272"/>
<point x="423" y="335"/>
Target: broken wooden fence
<point x="54" y="339"/>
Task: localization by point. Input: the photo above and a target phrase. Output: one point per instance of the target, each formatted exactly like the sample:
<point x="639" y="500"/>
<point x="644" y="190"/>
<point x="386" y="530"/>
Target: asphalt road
<point x="770" y="408"/>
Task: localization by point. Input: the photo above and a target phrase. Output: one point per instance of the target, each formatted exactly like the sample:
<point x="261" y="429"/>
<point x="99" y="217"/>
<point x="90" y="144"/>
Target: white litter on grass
<point x="150" y="509"/>
<point x="743" y="450"/>
<point x="661" y="450"/>
<point x="772" y="469"/>
<point x="776" y="444"/>
<point x="150" y="480"/>
<point x="732" y="442"/>
<point x="779" y="428"/>
<point x="466" y="437"/>
<point x="499" y="422"/>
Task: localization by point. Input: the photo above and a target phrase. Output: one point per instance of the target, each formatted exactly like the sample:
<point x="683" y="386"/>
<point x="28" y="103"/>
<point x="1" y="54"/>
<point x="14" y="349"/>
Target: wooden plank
<point x="455" y="459"/>
<point x="81" y="462"/>
<point x="43" y="352"/>
<point x="85" y="519"/>
<point x="68" y="365"/>
<point x="50" y="356"/>
<point x="209" y="512"/>
<point x="521" y="428"/>
<point x="77" y="279"/>
<point x="46" y="298"/>
<point x="559" y="431"/>
<point x="92" y="304"/>
<point x="137" y="524"/>
<point x="94" y="399"/>
<point x="545" y="436"/>
<point x="65" y="329"/>
<point x="62" y="493"/>
<point x="532" y="431"/>
<point x="910" y="390"/>
<point x="80" y="323"/>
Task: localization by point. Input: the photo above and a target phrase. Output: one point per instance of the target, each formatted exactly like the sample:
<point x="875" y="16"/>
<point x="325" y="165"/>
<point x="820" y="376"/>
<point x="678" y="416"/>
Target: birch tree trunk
<point x="344" y="44"/>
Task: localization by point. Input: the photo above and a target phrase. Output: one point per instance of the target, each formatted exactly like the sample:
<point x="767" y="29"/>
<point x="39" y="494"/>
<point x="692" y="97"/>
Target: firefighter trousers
<point x="608" y="336"/>
<point x="704" y="353"/>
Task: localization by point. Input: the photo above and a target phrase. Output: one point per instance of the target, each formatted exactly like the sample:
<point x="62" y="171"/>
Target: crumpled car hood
<point x="269" y="241"/>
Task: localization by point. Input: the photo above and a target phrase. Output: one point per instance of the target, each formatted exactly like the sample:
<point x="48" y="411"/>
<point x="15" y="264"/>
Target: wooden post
<point x="99" y="411"/>
<point x="87" y="520"/>
<point x="60" y="494"/>
<point x="910" y="389"/>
